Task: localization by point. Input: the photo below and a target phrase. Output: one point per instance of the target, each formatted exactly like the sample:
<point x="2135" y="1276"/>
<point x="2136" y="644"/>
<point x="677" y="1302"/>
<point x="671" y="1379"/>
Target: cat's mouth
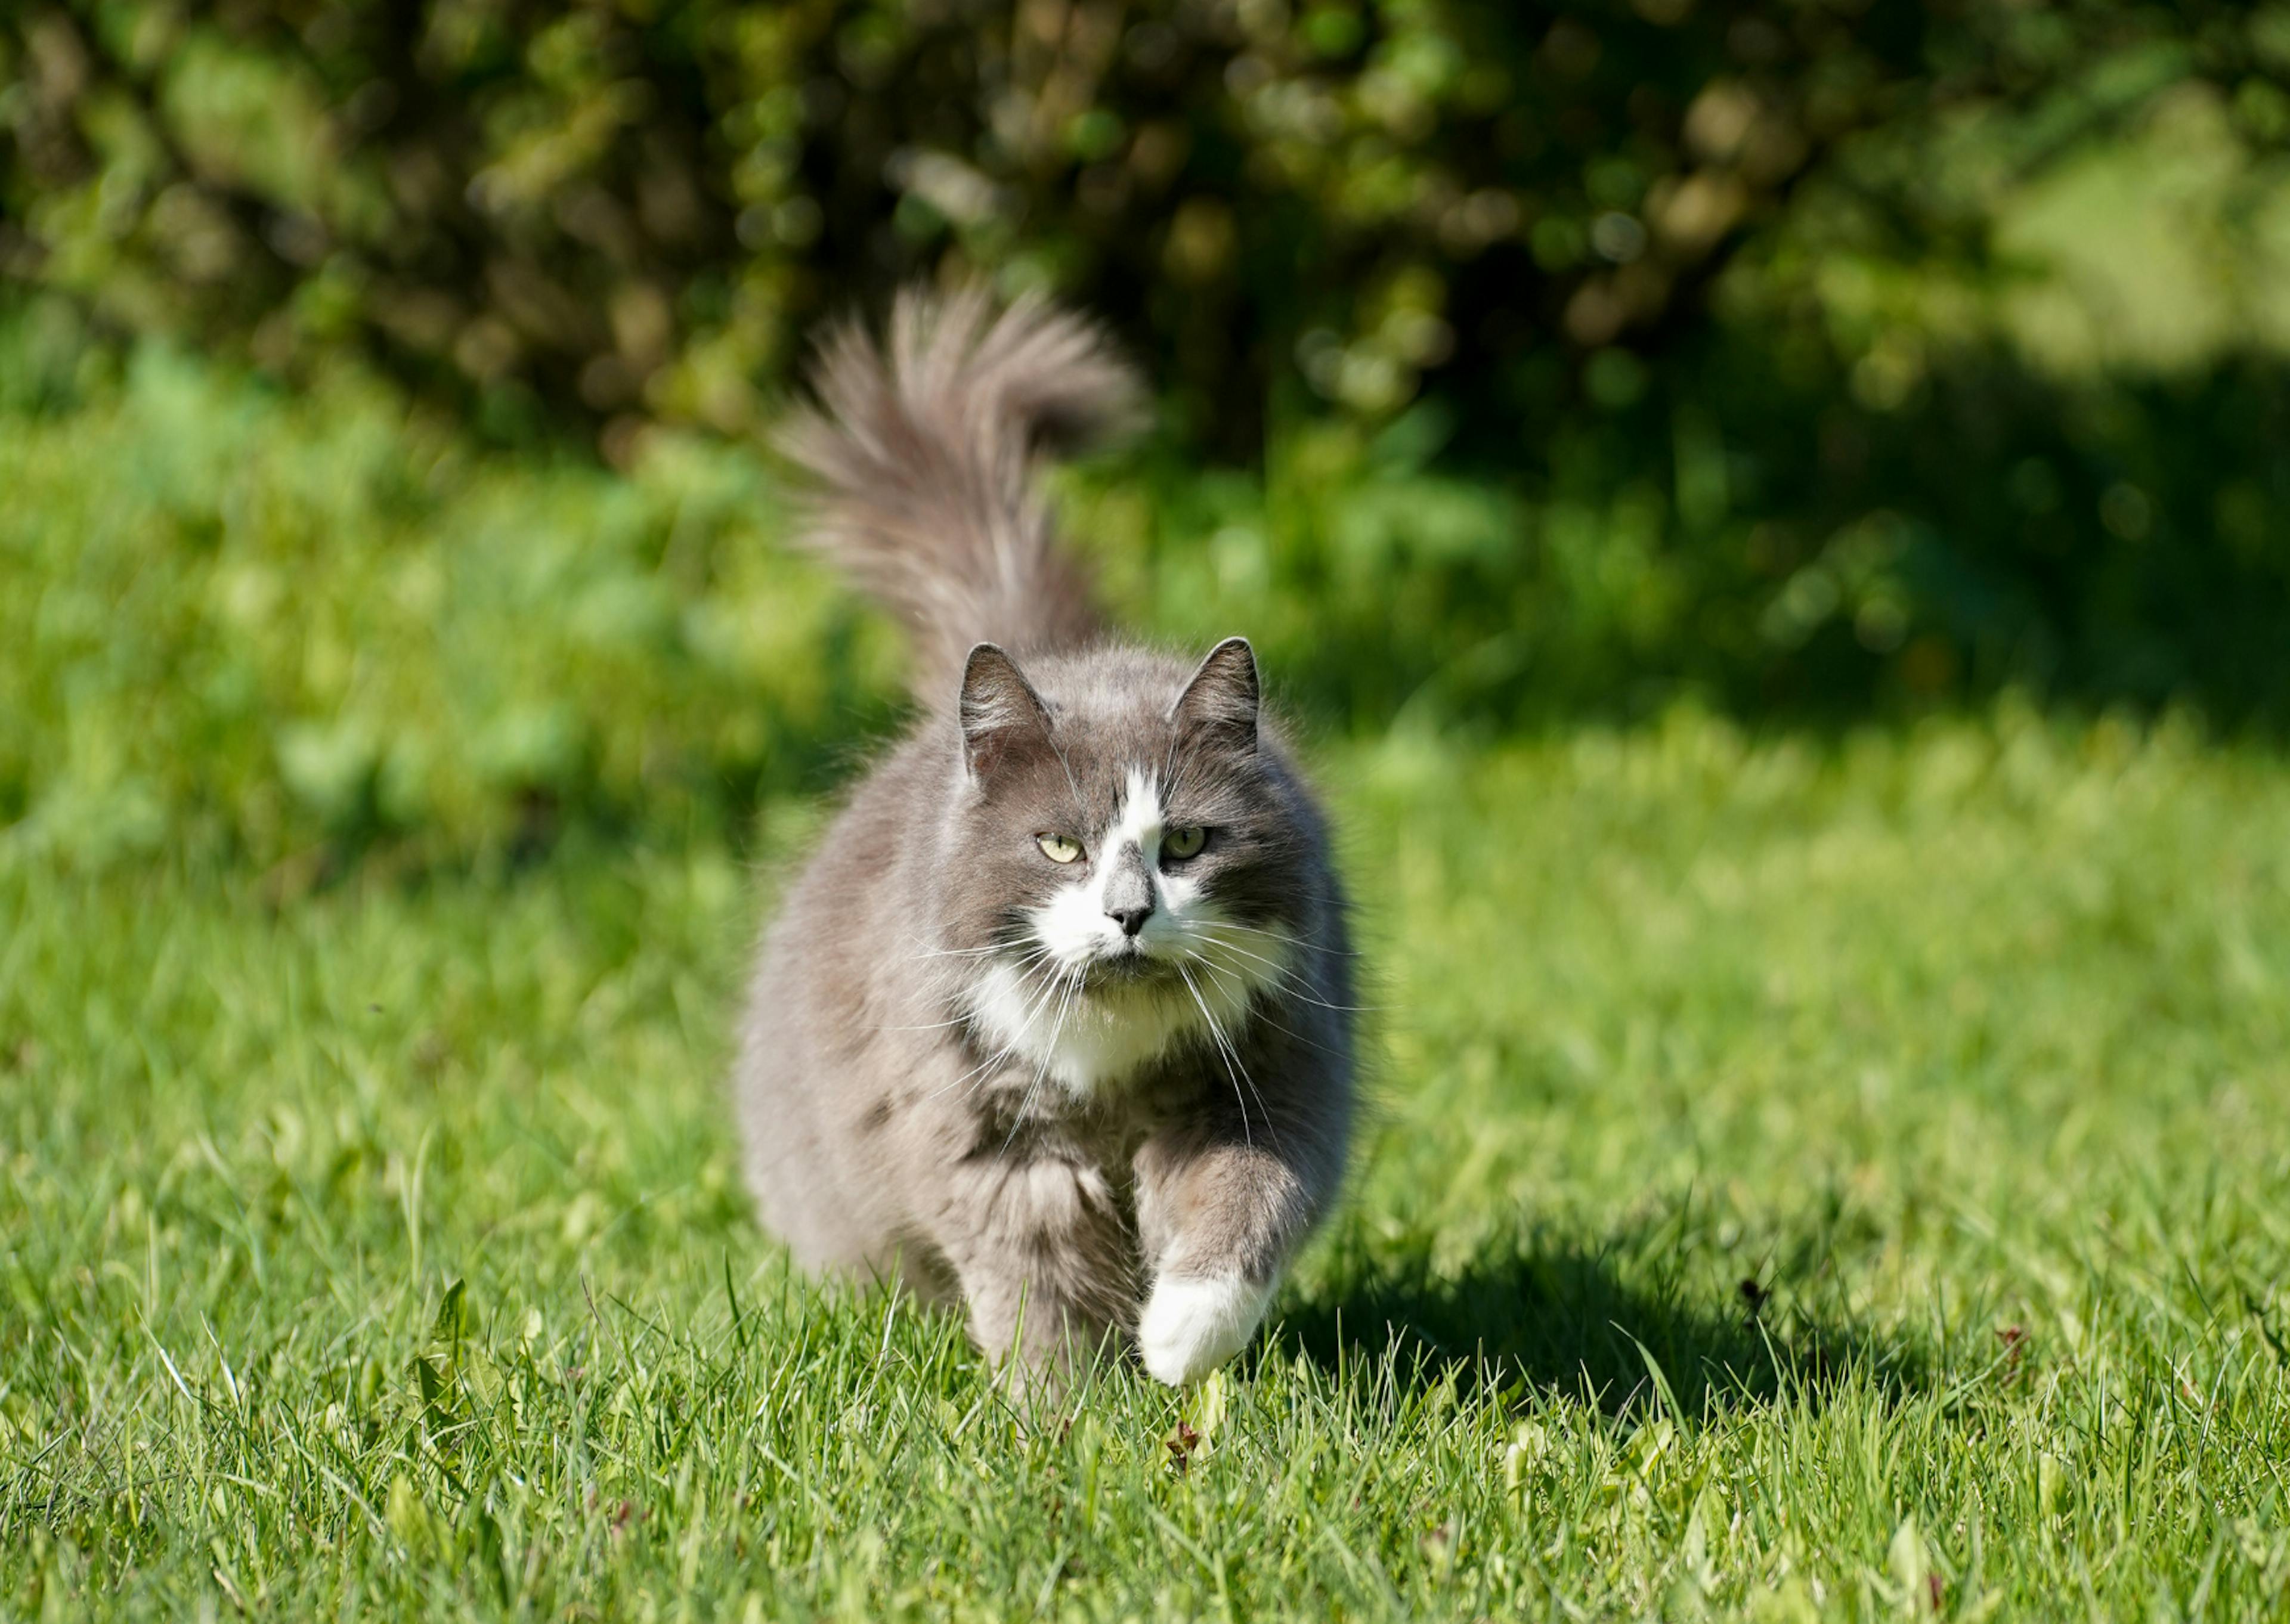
<point x="1127" y="967"/>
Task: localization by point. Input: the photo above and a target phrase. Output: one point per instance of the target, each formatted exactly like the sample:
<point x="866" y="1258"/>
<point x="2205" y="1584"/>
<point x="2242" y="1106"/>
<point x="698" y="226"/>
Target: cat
<point x="1056" y="1025"/>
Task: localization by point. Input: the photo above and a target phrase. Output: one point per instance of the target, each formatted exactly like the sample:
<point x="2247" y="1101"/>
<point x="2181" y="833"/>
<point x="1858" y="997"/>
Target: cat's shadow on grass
<point x="1570" y="1320"/>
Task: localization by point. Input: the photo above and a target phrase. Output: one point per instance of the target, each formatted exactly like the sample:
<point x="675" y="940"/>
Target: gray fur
<point x="905" y="1104"/>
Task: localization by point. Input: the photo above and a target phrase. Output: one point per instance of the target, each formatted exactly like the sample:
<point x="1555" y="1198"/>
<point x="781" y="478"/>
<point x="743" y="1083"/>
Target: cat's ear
<point x="1003" y="718"/>
<point x="1218" y="707"/>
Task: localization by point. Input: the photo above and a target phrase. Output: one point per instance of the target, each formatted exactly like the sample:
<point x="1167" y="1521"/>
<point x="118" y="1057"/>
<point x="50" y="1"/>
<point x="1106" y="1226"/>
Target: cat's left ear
<point x="1003" y="717"/>
<point x="1218" y="707"/>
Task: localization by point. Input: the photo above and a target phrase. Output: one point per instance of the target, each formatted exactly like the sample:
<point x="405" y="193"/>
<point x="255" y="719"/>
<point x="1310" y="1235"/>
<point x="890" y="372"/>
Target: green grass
<point x="1811" y="1180"/>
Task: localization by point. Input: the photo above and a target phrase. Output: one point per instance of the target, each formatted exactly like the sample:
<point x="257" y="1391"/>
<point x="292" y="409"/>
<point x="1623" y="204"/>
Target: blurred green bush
<point x="289" y="629"/>
<point x="1520" y="360"/>
<point x="1756" y="536"/>
<point x="292" y="627"/>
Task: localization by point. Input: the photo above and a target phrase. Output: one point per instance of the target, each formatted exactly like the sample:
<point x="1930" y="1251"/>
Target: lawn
<point x="1811" y="1178"/>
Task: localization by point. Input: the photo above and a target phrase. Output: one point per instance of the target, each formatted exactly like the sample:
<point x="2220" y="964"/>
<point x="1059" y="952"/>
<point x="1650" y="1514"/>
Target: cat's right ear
<point x="1003" y="718"/>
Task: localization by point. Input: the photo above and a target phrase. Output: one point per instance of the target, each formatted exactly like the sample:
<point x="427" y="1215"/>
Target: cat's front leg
<point x="1033" y="1330"/>
<point x="1218" y="1218"/>
<point x="1042" y="1258"/>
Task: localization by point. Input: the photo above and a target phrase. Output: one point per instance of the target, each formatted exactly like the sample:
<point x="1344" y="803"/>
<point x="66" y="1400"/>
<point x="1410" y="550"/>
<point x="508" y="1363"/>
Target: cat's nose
<point x="1129" y="892"/>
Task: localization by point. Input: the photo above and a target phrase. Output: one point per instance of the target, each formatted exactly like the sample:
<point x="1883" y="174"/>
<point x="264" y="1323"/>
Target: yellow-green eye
<point x="1184" y="842"/>
<point x="1058" y="848"/>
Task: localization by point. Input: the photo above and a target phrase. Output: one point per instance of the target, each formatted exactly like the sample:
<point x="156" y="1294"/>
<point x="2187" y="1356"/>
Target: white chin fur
<point x="1096" y="1039"/>
<point x="1189" y="1327"/>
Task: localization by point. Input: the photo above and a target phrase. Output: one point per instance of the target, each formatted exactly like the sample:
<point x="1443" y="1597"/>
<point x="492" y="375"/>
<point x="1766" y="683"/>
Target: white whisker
<point x="1234" y="1068"/>
<point x="1071" y="981"/>
<point x="1010" y="1049"/>
<point x="1286" y="938"/>
<point x="1256" y="1011"/>
<point x="1292" y="984"/>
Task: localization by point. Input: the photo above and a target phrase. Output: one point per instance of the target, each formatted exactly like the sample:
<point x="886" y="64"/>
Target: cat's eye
<point x="1058" y="848"/>
<point x="1183" y="843"/>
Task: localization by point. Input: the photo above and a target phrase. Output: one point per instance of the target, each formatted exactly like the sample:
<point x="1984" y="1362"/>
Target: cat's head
<point x="1126" y="833"/>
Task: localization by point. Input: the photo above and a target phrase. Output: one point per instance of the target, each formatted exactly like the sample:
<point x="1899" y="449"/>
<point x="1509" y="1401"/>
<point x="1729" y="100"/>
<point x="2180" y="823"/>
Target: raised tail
<point x="928" y="451"/>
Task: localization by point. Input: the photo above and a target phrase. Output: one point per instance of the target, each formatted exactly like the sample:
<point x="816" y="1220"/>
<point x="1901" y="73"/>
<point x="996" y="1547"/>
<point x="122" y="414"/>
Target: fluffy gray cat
<point x="1055" y="1023"/>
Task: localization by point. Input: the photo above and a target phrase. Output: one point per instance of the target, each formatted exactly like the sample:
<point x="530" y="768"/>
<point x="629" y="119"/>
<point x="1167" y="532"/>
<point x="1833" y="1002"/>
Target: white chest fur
<point x="1085" y="1041"/>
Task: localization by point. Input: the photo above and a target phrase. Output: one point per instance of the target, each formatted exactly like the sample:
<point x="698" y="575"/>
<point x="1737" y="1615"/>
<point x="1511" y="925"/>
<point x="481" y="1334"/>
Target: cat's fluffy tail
<point x="928" y="448"/>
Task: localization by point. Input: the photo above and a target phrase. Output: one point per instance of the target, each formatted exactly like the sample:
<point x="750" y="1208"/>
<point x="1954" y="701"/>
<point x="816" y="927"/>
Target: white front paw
<point x="1189" y="1327"/>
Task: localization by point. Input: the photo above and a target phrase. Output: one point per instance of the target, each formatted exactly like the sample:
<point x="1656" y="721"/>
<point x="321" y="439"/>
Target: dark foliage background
<point x="1813" y="356"/>
<point x="598" y="208"/>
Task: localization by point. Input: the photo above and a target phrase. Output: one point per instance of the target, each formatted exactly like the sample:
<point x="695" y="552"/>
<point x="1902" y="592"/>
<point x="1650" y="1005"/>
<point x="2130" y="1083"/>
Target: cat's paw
<point x="1189" y="1327"/>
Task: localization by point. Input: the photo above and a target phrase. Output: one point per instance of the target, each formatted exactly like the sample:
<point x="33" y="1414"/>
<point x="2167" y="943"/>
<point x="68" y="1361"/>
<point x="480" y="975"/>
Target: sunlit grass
<point x="1808" y="1179"/>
